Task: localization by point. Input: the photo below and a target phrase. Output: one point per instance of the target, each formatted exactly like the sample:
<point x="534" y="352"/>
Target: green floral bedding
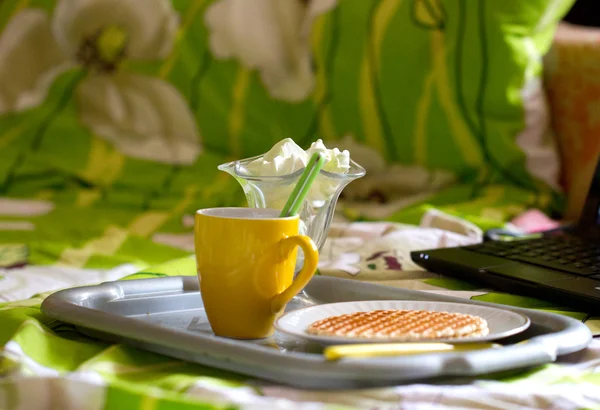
<point x="67" y="369"/>
<point x="105" y="107"/>
<point x="114" y="118"/>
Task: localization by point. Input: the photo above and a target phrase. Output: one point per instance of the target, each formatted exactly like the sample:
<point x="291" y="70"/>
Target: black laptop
<point x="562" y="266"/>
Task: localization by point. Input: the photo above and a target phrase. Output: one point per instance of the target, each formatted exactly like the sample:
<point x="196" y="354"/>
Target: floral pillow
<point x="149" y="99"/>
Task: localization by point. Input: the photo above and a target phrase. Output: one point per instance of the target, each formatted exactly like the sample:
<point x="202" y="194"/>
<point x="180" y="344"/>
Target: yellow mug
<point x="246" y="259"/>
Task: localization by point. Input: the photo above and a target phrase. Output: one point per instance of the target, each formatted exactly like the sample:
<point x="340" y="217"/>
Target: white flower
<point x="142" y="116"/>
<point x="150" y="29"/>
<point x="392" y="181"/>
<point x="30" y="60"/>
<point x="272" y="36"/>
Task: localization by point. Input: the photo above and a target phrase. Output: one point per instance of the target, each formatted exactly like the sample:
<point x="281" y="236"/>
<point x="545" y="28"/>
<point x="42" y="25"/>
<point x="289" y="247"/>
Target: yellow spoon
<point x="337" y="352"/>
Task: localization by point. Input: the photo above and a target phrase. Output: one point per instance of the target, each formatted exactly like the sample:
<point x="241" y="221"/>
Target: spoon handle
<point x="337" y="352"/>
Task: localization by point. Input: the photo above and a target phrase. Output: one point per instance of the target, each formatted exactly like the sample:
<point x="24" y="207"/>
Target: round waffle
<point x="406" y="325"/>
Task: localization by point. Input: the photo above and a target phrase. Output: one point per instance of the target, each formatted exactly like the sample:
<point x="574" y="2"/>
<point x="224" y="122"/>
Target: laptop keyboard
<point x="564" y="253"/>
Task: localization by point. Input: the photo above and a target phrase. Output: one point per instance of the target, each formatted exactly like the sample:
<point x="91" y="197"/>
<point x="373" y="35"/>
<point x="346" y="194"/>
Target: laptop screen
<point x="596" y="187"/>
<point x="590" y="215"/>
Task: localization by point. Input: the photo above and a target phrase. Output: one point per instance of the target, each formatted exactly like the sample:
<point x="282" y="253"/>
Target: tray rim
<point x="267" y="363"/>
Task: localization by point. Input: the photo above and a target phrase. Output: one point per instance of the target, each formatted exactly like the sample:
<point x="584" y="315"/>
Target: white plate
<point x="502" y="323"/>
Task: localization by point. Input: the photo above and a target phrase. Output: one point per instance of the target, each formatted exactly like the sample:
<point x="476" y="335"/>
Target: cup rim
<point x="260" y="214"/>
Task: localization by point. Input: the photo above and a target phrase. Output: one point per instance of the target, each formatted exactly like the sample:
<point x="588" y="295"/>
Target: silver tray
<point x="166" y="316"/>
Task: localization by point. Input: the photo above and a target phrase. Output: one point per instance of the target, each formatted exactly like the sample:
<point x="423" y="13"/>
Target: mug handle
<point x="311" y="260"/>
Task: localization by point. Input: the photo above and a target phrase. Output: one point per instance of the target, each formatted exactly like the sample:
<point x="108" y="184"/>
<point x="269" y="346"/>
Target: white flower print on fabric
<point x="387" y="182"/>
<point x="271" y="36"/>
<point x="142" y="116"/>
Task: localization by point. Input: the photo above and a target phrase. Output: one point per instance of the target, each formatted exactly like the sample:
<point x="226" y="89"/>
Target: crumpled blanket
<point x="69" y="370"/>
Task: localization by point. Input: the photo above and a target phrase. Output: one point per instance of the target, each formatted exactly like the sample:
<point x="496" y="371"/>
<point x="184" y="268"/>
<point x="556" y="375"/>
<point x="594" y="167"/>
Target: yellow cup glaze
<point x="246" y="259"/>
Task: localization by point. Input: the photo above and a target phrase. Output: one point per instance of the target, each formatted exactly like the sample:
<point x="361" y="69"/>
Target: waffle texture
<point x="401" y="324"/>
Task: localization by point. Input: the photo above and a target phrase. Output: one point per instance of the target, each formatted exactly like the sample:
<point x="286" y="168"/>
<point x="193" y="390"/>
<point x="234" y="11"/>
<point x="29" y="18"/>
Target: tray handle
<point x="527" y="353"/>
